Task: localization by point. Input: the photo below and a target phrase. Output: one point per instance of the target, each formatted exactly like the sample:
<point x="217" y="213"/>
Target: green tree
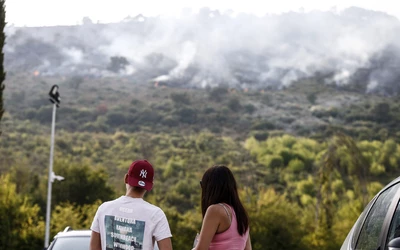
<point x="275" y="222"/>
<point x="2" y="41"/>
<point x="330" y="170"/>
<point x="234" y="104"/>
<point x="185" y="225"/>
<point x="381" y="112"/>
<point x="388" y="155"/>
<point x="21" y="226"/>
<point x="71" y="215"/>
<point x="117" y="63"/>
<point x="82" y="185"/>
<point x="180" y="98"/>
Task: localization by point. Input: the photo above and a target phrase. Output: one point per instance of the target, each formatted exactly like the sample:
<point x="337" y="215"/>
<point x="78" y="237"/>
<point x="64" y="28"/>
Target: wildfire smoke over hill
<point x="355" y="46"/>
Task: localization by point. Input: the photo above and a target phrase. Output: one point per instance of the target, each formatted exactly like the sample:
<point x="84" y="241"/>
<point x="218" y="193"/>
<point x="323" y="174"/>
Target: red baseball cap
<point x="141" y="174"/>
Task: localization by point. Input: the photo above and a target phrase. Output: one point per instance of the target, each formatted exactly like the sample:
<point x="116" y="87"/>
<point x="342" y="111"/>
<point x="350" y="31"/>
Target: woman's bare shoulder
<point x="215" y="209"/>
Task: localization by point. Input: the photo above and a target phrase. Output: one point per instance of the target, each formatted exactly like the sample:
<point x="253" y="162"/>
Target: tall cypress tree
<point x="2" y="42"/>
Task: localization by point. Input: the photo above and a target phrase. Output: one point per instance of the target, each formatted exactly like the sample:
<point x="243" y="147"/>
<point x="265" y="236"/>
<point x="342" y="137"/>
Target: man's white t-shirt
<point x="130" y="223"/>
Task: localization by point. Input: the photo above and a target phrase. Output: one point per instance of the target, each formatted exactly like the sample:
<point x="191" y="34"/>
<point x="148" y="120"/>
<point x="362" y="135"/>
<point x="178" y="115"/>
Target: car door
<point x="375" y="227"/>
<point x="394" y="228"/>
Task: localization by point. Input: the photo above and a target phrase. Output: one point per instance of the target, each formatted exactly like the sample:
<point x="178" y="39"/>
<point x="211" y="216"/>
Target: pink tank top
<point x="230" y="239"/>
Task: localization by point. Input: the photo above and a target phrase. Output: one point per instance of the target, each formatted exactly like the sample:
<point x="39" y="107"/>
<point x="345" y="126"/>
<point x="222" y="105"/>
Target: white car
<point x="73" y="240"/>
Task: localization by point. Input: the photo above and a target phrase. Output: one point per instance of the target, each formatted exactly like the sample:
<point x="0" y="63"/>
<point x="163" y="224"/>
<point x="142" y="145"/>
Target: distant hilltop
<point x="353" y="47"/>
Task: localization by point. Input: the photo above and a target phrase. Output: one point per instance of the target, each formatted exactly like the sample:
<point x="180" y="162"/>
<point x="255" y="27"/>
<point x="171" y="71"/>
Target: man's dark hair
<point x="218" y="185"/>
<point x="138" y="189"/>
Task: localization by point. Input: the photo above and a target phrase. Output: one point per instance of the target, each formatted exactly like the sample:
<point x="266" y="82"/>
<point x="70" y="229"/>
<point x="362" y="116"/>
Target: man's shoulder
<point x="155" y="212"/>
<point x="152" y="207"/>
<point x="139" y="205"/>
<point x="109" y="203"/>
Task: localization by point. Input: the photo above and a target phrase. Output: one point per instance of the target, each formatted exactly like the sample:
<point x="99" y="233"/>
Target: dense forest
<point x="307" y="158"/>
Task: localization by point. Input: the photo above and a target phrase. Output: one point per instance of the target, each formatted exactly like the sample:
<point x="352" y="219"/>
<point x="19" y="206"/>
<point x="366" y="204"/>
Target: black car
<point x="378" y="227"/>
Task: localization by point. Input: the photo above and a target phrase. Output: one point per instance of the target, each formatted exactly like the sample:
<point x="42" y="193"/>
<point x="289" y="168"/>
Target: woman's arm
<point x="210" y="225"/>
<point x="248" y="244"/>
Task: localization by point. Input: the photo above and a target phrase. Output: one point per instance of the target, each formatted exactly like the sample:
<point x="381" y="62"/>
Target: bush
<point x="208" y="110"/>
<point x="187" y="115"/>
<point x="296" y="166"/>
<point x="170" y="121"/>
<point x="260" y="135"/>
<point x="44" y="115"/>
<point x="116" y="118"/>
<point x="377" y="169"/>
<point x="234" y="104"/>
<point x="117" y="63"/>
<point x="312" y="97"/>
<point x="263" y="125"/>
<point x="148" y="117"/>
<point x="180" y="98"/>
<point x="249" y="108"/>
<point x="381" y="112"/>
<point x="218" y="93"/>
<point x="274" y="161"/>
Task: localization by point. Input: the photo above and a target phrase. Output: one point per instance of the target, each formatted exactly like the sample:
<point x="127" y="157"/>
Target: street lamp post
<point x="55" y="99"/>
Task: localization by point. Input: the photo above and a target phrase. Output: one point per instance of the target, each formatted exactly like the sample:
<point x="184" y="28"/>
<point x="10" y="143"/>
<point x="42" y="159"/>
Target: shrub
<point x="116" y="118"/>
<point x="377" y="169"/>
<point x="186" y="115"/>
<point x="216" y="94"/>
<point x="260" y="135"/>
<point x="234" y="104"/>
<point x="263" y="125"/>
<point x="180" y="98"/>
<point x="249" y="108"/>
<point x="296" y="166"/>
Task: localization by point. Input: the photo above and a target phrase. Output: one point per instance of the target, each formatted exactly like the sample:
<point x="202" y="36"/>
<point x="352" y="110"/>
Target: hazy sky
<point x="64" y="12"/>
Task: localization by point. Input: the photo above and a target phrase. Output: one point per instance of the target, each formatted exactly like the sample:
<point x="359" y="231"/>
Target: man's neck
<point x="134" y="194"/>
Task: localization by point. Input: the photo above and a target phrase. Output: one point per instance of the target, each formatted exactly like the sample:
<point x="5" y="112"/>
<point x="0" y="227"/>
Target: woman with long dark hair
<point x="225" y="221"/>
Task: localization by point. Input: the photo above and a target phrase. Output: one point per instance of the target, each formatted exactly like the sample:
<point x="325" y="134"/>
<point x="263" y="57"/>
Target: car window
<point x="394" y="230"/>
<point x="359" y="222"/>
<point x="71" y="243"/>
<point x="369" y="235"/>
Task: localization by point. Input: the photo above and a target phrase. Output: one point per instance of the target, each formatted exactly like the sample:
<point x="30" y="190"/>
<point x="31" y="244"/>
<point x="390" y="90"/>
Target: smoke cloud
<point x="209" y="48"/>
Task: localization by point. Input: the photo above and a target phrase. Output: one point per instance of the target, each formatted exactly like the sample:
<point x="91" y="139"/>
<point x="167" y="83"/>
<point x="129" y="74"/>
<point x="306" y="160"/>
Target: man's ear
<point x="126" y="178"/>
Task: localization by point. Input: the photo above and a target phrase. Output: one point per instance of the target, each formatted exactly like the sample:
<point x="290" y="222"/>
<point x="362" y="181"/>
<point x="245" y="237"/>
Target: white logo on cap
<point x="143" y="173"/>
<point x="141" y="183"/>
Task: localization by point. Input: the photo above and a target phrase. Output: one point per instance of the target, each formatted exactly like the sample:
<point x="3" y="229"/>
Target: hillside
<point x="308" y="108"/>
<point x="307" y="118"/>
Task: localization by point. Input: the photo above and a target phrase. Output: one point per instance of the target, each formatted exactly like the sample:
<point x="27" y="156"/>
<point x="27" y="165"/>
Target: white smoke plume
<point x="210" y="48"/>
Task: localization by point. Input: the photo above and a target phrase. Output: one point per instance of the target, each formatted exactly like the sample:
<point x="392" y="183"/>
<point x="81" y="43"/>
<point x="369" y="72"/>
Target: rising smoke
<point x="209" y="48"/>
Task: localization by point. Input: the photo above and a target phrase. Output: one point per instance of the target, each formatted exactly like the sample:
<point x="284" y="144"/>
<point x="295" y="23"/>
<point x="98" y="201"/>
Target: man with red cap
<point x="129" y="222"/>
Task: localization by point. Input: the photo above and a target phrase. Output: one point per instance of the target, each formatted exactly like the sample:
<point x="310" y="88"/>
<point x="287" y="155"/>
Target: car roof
<point x="396" y="180"/>
<point x="74" y="233"/>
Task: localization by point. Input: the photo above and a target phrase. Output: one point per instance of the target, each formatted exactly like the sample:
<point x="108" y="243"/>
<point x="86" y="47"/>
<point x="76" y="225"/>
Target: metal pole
<point x="50" y="180"/>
